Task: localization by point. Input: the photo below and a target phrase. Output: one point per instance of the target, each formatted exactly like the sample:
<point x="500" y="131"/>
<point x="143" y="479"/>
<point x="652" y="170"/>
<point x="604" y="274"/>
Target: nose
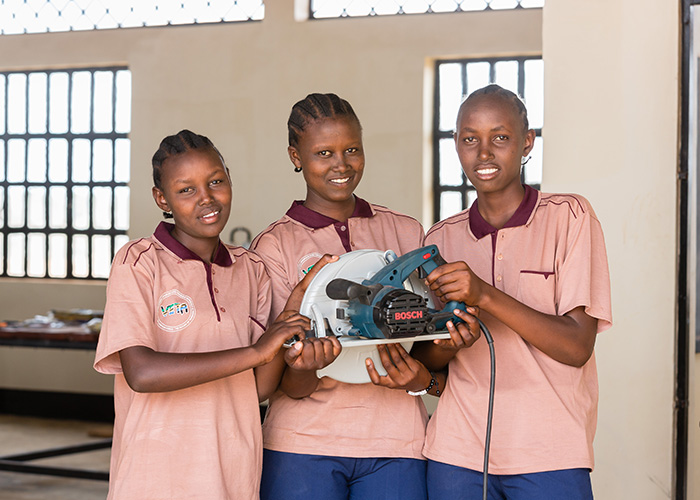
<point x="205" y="196"/>
<point x="485" y="150"/>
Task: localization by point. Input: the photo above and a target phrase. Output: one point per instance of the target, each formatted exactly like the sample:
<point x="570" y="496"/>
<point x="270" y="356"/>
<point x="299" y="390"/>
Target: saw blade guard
<point x="330" y="317"/>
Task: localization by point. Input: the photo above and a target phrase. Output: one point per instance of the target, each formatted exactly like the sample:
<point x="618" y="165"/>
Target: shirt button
<point x="500" y="256"/>
<point x="343" y="228"/>
<point x="223" y="309"/>
<point x="498" y="278"/>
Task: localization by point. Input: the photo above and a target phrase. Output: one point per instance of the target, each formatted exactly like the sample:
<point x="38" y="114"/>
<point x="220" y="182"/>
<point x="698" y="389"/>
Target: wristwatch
<point x="433" y="382"/>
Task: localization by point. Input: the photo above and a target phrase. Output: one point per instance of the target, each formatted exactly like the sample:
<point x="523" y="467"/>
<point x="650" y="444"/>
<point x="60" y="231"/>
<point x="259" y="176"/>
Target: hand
<point x="297" y="295"/>
<point x="313" y="353"/>
<point x="455" y="281"/>
<point x="286" y="326"/>
<point x="403" y="371"/>
<point x="462" y="334"/>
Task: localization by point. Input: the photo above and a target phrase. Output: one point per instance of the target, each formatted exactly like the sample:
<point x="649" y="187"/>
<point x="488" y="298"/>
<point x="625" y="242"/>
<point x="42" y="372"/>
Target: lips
<point x="486" y="172"/>
<point x="340" y="181"/>
<point x="210" y="216"/>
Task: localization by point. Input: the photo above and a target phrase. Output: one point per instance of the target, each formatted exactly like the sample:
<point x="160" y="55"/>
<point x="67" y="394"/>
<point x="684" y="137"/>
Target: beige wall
<point x="611" y="98"/>
<point x="611" y="95"/>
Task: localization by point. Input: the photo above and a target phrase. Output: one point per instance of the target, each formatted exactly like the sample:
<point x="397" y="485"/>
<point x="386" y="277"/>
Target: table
<point x="65" y="337"/>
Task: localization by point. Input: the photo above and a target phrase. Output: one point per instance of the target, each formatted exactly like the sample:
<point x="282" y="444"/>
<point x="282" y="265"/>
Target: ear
<point x="294" y="156"/>
<point x="160" y="200"/>
<point x="529" y="142"/>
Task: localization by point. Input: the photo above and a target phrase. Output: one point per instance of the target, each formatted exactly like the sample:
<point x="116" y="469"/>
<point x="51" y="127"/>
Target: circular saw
<point x="370" y="297"/>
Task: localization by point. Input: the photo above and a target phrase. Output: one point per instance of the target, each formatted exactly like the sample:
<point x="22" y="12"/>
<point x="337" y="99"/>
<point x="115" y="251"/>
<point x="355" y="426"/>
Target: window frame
<point x="69" y="136"/>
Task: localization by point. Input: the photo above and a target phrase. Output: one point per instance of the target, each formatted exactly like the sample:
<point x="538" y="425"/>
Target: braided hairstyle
<point x="316" y="107"/>
<point x="506" y="95"/>
<point x="173" y="145"/>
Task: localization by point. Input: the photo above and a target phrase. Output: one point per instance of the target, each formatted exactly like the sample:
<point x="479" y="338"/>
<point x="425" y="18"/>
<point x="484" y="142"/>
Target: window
<point x="40" y="16"/>
<point x="358" y="8"/>
<point x="64" y="169"/>
<point x="454" y="81"/>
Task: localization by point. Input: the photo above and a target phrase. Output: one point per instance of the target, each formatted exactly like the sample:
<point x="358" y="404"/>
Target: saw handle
<point x="428" y="267"/>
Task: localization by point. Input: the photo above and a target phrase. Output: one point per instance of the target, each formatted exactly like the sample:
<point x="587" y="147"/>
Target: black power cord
<point x="489" y="419"/>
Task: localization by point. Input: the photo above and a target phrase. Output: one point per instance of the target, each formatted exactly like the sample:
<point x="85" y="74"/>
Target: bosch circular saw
<point x="370" y="297"/>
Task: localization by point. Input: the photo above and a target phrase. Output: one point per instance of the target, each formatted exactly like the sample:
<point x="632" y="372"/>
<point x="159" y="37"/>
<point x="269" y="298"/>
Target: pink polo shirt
<point x="202" y="442"/>
<point x="348" y="420"/>
<point x="550" y="256"/>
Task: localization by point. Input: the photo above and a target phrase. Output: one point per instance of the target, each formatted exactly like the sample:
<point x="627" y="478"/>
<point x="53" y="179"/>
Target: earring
<point x="297" y="169"/>
<point x="167" y="215"/>
<point x="524" y="161"/>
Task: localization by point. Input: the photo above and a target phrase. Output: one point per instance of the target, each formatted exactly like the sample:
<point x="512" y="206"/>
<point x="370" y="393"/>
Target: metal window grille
<point x="320" y="9"/>
<point x="40" y="16"/>
<point x="454" y="80"/>
<point x="64" y="171"/>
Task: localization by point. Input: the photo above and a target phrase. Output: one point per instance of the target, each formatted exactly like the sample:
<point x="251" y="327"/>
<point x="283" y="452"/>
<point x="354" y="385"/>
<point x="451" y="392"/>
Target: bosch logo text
<point x="408" y="315"/>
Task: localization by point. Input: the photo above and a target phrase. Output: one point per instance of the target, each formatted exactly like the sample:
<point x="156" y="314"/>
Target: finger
<point x="372" y="371"/>
<point x="337" y="346"/>
<point x="398" y="356"/>
<point x="455" y="335"/>
<point x="320" y="263"/>
<point x="293" y="353"/>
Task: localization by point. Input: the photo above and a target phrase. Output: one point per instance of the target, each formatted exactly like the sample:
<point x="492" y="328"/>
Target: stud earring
<point x="297" y="169"/>
<point x="167" y="215"/>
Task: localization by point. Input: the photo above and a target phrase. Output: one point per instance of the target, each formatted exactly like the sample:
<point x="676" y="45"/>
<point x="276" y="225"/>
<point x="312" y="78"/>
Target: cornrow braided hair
<point x="173" y="145"/>
<point x="505" y="94"/>
<point x="315" y="107"/>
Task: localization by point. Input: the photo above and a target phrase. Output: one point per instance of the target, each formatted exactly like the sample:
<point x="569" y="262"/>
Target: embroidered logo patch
<point x="306" y="263"/>
<point x="175" y="311"/>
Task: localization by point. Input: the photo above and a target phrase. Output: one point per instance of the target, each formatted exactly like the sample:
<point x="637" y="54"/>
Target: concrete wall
<point x="611" y="97"/>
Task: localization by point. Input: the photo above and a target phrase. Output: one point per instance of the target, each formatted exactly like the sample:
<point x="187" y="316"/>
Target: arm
<point x="299" y="379"/>
<point x="568" y="339"/>
<point x="147" y="370"/>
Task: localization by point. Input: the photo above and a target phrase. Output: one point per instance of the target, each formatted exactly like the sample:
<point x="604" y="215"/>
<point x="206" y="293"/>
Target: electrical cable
<point x="489" y="419"/>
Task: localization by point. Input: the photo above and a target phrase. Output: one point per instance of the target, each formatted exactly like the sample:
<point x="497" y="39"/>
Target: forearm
<point x="267" y="376"/>
<point x="146" y="370"/>
<point x="433" y="357"/>
<point x="568" y="339"/>
<point x="298" y="384"/>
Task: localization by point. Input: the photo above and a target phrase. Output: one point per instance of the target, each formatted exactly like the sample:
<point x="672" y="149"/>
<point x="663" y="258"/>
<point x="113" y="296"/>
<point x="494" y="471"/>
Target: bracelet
<point x="433" y="382"/>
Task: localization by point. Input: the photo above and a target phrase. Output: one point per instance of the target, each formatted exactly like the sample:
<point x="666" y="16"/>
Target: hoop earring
<point x="297" y="169"/>
<point x="524" y="161"/>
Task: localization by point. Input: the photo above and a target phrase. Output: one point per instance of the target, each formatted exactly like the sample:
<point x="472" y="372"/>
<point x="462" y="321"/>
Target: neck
<point x="340" y="210"/>
<point x="497" y="208"/>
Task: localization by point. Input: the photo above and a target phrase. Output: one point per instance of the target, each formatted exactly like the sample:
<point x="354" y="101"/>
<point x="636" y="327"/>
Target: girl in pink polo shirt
<point x="183" y="334"/>
<point x="536" y="267"/>
<point x="324" y="439"/>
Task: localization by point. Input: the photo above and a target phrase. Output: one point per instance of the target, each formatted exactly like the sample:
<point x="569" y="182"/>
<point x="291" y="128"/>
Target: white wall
<point x="611" y="99"/>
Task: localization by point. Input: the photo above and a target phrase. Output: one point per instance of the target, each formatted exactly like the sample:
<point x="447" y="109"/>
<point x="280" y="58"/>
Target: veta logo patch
<point x="306" y="263"/>
<point x="175" y="311"/>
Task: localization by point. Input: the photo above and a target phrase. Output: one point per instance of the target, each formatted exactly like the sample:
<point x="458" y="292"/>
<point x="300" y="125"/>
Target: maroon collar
<point x="481" y="228"/>
<point x="315" y="220"/>
<point x="163" y="234"/>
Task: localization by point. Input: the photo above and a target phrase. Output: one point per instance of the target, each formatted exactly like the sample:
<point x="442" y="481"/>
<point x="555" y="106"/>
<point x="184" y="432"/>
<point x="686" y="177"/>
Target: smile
<point x="344" y="180"/>
<point x="210" y="215"/>
<point x="486" y="171"/>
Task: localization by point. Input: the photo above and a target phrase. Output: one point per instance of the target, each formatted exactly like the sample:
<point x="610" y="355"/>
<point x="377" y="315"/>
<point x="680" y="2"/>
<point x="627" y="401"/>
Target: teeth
<point x="486" y="171"/>
<point x="340" y="181"/>
<point x="212" y="214"/>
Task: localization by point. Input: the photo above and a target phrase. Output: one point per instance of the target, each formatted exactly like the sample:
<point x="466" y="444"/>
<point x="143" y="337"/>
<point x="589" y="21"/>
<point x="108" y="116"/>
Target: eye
<point x="501" y="137"/>
<point x="217" y="181"/>
<point x="469" y="139"/>
<point x="352" y="150"/>
<point x="185" y="190"/>
<point x="325" y="153"/>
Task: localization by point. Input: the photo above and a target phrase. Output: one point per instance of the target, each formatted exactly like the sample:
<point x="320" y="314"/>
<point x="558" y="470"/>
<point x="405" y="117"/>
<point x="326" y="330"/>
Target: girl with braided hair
<point x="191" y="363"/>
<point x="325" y="439"/>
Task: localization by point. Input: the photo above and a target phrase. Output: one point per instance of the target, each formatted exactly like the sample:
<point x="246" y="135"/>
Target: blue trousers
<point x="448" y="482"/>
<point x="292" y="476"/>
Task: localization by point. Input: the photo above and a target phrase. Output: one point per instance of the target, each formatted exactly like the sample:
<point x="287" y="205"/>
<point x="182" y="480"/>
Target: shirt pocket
<point x="537" y="289"/>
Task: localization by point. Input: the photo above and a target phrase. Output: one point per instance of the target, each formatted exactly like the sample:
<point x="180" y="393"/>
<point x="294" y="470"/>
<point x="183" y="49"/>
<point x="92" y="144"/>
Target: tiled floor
<point x="23" y="434"/>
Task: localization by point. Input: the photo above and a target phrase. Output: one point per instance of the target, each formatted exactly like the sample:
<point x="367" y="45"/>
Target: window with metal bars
<point x="322" y="9"/>
<point x="64" y="171"/>
<point x="41" y="16"/>
<point x="456" y="79"/>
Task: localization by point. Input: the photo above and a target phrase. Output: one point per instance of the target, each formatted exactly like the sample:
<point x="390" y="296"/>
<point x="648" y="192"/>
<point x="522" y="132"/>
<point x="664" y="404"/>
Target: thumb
<point x="293" y="352"/>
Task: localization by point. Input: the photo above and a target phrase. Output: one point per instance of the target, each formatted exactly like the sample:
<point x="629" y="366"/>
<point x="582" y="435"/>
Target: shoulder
<point x="244" y="256"/>
<point x="138" y="252"/>
<point x="568" y="205"/>
<point x="275" y="232"/>
<point x="383" y="212"/>
<point x="456" y="220"/>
